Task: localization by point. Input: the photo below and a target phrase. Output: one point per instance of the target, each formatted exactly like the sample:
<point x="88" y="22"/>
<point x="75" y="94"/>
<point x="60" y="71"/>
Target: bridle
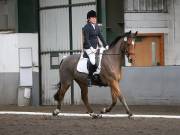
<point x="129" y="43"/>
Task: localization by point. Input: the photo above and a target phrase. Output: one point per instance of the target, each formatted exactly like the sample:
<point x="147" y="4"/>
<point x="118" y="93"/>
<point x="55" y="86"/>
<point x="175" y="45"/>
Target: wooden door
<point x="149" y="51"/>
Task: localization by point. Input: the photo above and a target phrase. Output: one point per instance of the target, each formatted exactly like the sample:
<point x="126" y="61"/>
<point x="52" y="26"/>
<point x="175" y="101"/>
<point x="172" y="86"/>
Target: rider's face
<point x="93" y="20"/>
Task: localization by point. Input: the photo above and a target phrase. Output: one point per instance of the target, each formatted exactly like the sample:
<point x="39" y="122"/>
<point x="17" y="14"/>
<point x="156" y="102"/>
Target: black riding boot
<point x="89" y="79"/>
<point x="91" y="68"/>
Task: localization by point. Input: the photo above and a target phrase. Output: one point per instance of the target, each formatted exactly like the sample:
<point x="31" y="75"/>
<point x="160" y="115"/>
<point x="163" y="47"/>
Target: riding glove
<point x="107" y="47"/>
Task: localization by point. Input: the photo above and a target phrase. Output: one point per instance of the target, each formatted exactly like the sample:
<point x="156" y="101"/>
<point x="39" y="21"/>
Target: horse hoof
<point x="130" y="116"/>
<point x="103" y="111"/>
<point x="95" y="116"/>
<point x="55" y="112"/>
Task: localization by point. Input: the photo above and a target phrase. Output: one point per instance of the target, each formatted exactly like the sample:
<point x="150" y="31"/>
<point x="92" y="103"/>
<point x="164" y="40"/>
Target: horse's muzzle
<point x="130" y="60"/>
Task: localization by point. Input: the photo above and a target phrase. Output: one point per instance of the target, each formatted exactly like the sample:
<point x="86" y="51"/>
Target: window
<point x="159" y="6"/>
<point x="8" y="16"/>
<point x="54" y="60"/>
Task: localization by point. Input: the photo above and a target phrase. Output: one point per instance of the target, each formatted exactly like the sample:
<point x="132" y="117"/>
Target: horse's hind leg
<point x="59" y="96"/>
<point x="84" y="96"/>
<point x="114" y="101"/>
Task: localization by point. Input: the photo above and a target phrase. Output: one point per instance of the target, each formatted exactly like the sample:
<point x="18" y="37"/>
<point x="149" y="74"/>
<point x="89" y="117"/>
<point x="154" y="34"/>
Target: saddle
<point x="84" y="65"/>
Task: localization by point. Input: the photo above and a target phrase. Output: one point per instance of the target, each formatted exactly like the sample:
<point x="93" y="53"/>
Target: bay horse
<point x="110" y="74"/>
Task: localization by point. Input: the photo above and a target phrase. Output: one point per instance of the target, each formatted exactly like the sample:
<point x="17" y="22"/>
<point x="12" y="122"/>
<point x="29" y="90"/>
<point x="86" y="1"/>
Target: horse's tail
<point x="61" y="62"/>
<point x="58" y="86"/>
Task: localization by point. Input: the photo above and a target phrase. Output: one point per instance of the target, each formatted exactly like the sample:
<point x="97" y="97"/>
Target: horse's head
<point x="129" y="46"/>
<point x="126" y="43"/>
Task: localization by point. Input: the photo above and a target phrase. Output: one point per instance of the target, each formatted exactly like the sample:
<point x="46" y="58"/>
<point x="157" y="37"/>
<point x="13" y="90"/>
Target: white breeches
<point x="100" y="57"/>
<point x="91" y="54"/>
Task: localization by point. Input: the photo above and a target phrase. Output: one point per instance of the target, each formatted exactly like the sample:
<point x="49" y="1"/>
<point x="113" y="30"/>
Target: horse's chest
<point x="118" y="76"/>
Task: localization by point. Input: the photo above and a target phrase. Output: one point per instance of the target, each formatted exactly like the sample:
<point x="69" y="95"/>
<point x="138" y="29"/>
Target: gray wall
<point x="8" y="88"/>
<point x="140" y="86"/>
<point x="9" y="83"/>
<point x="152" y="85"/>
<point x="35" y="90"/>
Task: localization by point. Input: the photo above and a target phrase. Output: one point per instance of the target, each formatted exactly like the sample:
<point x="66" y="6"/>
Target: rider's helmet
<point x="91" y="13"/>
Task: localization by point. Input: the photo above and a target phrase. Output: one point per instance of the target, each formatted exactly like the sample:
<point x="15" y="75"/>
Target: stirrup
<point x="97" y="71"/>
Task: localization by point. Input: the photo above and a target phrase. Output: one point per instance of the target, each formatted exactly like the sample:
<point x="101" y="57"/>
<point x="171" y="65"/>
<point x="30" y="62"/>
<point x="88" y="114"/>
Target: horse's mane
<point x="116" y="40"/>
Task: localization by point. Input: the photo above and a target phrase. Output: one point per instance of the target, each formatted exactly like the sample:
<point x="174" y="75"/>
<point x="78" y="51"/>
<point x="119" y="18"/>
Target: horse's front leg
<point x="117" y="92"/>
<point x="123" y="101"/>
<point x="114" y="101"/>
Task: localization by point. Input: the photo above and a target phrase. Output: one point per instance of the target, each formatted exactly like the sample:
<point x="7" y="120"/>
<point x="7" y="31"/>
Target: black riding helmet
<point x="91" y="13"/>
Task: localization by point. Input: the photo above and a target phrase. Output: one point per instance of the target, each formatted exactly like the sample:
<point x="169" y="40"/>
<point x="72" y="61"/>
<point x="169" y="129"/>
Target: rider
<point x="92" y="34"/>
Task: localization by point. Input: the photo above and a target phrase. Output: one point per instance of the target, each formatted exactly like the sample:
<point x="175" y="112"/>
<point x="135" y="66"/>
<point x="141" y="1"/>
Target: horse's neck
<point x="116" y="49"/>
<point x="116" y="54"/>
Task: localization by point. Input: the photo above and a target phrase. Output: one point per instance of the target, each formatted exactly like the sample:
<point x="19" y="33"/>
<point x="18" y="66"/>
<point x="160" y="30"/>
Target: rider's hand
<point x="92" y="49"/>
<point x="107" y="47"/>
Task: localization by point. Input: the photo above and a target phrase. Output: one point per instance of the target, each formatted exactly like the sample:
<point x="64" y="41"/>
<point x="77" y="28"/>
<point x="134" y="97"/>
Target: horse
<point x="110" y="74"/>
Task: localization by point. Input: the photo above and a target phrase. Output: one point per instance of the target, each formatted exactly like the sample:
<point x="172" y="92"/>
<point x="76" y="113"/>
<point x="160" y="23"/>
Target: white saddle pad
<point x="82" y="65"/>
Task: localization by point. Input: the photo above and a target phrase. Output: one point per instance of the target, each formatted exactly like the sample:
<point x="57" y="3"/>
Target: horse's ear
<point x="136" y="33"/>
<point x="127" y="34"/>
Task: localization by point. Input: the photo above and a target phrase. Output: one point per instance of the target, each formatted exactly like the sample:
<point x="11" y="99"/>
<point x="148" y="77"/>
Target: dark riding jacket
<point x="91" y="36"/>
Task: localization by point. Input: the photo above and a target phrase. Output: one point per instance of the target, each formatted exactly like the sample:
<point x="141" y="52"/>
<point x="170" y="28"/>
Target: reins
<point x="116" y="53"/>
<point x="110" y="53"/>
